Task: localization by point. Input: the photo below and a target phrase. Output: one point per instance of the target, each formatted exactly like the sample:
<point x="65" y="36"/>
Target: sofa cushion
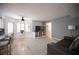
<point x="54" y="49"/>
<point x="3" y="43"/>
<point x="2" y="37"/>
<point x="64" y="43"/>
<point x="75" y="44"/>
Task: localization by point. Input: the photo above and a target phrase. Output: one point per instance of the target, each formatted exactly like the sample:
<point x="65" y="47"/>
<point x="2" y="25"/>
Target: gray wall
<point x="60" y="27"/>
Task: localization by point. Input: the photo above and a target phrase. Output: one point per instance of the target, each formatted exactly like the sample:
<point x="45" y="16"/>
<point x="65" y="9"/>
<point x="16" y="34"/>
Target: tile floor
<point x="30" y="46"/>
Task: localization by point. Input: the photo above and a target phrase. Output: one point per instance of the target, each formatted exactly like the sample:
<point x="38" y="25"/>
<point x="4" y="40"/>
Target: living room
<point x="38" y="28"/>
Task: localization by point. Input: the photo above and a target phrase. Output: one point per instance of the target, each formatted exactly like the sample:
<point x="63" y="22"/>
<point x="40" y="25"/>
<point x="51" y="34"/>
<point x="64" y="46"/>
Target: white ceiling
<point x="38" y="11"/>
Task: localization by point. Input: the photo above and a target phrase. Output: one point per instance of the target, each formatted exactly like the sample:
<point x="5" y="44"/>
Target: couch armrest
<point x="53" y="49"/>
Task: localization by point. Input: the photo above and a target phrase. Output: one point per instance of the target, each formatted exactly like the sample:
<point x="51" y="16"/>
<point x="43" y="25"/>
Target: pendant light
<point x="22" y="22"/>
<point x="22" y="18"/>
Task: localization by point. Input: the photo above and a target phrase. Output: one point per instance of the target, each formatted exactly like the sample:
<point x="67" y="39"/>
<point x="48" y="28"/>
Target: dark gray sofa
<point x="62" y="47"/>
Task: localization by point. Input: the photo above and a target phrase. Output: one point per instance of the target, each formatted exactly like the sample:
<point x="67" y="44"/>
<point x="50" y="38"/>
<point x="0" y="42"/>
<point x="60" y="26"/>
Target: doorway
<point x="49" y="30"/>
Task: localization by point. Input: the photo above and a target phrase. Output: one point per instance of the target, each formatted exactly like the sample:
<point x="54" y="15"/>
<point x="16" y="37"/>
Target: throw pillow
<point x="75" y="44"/>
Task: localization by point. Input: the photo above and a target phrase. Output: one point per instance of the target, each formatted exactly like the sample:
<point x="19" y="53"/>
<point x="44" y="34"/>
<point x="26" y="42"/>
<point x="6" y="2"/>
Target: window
<point x="28" y="27"/>
<point x="22" y="26"/>
<point x="18" y="27"/>
<point x="10" y="27"/>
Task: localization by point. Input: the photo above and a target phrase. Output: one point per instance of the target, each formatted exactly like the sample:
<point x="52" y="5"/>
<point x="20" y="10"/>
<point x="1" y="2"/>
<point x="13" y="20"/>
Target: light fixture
<point x="22" y="18"/>
<point x="22" y="25"/>
<point x="71" y="27"/>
